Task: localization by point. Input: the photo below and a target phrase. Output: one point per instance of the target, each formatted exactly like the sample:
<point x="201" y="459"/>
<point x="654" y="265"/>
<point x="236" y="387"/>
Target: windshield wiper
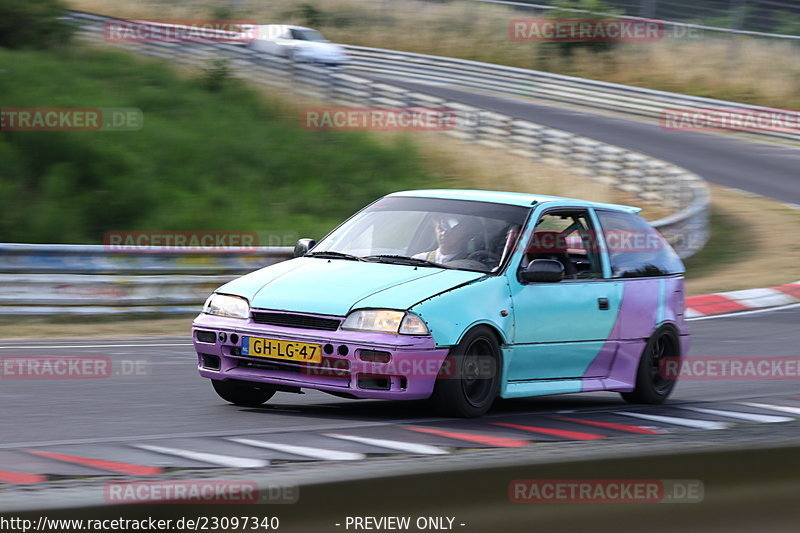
<point x="402" y="259"/>
<point x="335" y="255"/>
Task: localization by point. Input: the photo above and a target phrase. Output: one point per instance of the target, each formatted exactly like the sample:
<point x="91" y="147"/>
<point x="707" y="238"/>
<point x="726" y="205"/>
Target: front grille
<point x="296" y="321"/>
<point x="329" y="368"/>
<point x="266" y="365"/>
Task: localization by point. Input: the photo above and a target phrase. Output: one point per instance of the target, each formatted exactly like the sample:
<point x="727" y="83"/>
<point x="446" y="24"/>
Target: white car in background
<point x="302" y="45"/>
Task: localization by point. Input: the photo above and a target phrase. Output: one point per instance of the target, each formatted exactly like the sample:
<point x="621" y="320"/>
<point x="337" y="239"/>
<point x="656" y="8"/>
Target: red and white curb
<point x="745" y="300"/>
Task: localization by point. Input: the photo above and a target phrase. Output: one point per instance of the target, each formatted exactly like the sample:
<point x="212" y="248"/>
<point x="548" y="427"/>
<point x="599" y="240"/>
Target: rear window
<point x="635" y="248"/>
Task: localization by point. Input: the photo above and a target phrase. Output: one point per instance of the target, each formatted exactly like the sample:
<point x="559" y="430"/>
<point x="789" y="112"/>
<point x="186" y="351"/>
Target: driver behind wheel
<point x="452" y="240"/>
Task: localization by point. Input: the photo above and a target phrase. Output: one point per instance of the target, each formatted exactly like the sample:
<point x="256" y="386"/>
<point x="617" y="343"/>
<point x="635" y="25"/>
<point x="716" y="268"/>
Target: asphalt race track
<point x="153" y="410"/>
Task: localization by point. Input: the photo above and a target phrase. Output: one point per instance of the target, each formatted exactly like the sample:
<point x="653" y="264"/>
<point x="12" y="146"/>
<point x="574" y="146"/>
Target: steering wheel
<point x="486" y="257"/>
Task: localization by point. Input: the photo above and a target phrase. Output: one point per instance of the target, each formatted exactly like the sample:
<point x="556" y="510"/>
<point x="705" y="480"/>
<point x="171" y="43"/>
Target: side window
<point x="635" y="248"/>
<point x="562" y="235"/>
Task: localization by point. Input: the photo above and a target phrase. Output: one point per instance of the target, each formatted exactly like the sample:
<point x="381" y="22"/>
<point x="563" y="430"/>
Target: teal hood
<point x="335" y="286"/>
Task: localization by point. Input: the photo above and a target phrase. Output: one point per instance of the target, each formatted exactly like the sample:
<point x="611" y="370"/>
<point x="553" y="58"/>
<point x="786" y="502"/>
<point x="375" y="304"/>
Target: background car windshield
<point x="459" y="234"/>
<point x="307" y="35"/>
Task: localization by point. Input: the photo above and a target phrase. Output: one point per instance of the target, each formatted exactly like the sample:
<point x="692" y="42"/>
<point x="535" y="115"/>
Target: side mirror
<point x="543" y="270"/>
<point x="303" y="246"/>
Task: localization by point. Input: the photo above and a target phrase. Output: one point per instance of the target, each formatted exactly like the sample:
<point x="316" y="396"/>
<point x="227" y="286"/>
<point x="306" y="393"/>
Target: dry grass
<point x="746" y="70"/>
<point x="758" y="248"/>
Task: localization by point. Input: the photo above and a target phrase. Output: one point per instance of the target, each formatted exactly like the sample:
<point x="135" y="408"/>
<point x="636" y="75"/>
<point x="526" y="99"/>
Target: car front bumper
<point x="396" y="366"/>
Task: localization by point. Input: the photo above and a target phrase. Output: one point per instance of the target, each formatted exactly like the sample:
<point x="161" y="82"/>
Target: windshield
<point x="307" y="35"/>
<point x="459" y="234"/>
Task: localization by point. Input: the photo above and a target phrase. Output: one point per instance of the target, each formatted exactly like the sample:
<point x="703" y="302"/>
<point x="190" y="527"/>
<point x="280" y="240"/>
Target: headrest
<point x="547" y="242"/>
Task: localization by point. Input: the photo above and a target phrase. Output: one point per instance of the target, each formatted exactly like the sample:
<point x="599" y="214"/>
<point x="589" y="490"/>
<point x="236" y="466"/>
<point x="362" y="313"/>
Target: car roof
<point x="288" y="26"/>
<point x="510" y="198"/>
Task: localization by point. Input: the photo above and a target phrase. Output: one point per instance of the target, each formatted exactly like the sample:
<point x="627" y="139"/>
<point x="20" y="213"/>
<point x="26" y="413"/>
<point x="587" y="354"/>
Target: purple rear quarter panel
<point x="641" y="312"/>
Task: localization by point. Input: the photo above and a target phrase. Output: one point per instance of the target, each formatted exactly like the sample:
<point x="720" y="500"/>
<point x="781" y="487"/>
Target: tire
<point x="469" y="380"/>
<point x="652" y="387"/>
<point x="243" y="393"/>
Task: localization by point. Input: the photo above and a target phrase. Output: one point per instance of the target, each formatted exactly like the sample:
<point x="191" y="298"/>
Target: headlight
<point x="225" y="305"/>
<point x="385" y="320"/>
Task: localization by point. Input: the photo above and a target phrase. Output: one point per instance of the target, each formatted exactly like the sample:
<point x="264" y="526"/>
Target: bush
<point x="311" y="14"/>
<point x="224" y="160"/>
<point x="33" y="24"/>
<point x="217" y="75"/>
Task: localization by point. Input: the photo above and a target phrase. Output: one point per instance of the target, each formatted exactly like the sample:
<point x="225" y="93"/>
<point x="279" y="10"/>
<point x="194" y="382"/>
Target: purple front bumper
<point x="409" y="374"/>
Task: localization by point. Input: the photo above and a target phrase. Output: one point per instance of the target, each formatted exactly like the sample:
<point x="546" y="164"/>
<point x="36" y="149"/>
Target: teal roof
<point x="511" y="198"/>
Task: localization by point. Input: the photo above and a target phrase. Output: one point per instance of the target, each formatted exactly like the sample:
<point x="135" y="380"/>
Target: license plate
<point x="277" y="349"/>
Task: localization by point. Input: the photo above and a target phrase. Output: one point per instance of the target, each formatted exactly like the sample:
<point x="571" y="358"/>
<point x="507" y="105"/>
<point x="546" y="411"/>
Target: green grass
<point x="206" y="159"/>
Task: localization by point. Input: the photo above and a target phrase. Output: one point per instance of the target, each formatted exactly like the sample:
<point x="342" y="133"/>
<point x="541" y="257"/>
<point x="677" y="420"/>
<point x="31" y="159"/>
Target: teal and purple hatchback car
<point x="458" y="296"/>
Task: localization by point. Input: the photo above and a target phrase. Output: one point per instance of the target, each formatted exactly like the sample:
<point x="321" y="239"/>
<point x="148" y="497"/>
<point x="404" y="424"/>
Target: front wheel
<point x="653" y="384"/>
<point x="243" y="393"/>
<point x="469" y="380"/>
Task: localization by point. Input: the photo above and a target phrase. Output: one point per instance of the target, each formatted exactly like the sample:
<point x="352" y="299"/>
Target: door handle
<point x="602" y="304"/>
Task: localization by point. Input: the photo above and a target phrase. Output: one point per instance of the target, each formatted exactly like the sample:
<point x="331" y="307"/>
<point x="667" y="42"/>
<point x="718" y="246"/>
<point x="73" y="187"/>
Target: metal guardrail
<point x="54" y="279"/>
<point x="101" y="285"/>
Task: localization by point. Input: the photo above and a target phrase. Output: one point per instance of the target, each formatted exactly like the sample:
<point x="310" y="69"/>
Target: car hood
<point x="335" y="286"/>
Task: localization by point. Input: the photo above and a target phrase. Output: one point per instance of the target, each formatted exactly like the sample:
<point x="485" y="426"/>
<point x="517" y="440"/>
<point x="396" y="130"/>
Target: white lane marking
<point x="688" y="422"/>
<point x="764" y="419"/>
<point x="744" y="313"/>
<point x="763" y="298"/>
<point x="781" y="408"/>
<point x="306" y="451"/>
<point x="213" y="458"/>
<point x="340" y="426"/>
<point x="408" y="447"/>
<point x="67" y="346"/>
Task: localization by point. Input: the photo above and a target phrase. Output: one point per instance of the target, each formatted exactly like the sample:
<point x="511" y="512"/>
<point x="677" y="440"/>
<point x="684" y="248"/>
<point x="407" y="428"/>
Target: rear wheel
<point x="653" y="384"/>
<point x="243" y="393"/>
<point x="469" y="380"/>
